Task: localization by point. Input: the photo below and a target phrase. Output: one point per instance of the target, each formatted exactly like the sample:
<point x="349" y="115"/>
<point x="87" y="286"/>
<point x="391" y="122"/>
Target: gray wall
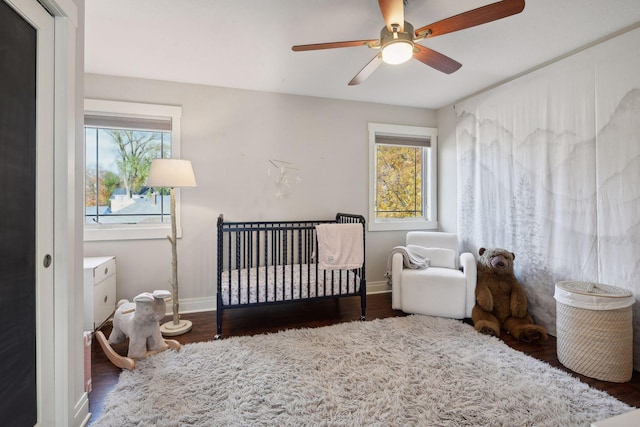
<point x="447" y="170"/>
<point x="230" y="135"/>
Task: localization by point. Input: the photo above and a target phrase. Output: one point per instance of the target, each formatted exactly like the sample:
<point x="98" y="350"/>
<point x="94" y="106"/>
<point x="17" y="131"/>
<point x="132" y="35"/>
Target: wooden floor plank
<point x="266" y="319"/>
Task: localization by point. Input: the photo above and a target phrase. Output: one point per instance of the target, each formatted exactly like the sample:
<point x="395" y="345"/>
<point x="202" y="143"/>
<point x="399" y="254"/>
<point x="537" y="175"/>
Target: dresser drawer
<point x="104" y="271"/>
<point x="104" y="300"/>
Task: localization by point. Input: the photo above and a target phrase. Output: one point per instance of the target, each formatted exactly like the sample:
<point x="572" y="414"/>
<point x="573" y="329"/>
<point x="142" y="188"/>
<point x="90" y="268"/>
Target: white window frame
<point x="430" y="191"/>
<point x="99" y="232"/>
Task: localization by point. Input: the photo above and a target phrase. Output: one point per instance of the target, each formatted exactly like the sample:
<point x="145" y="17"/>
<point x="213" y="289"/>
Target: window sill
<point x="118" y="232"/>
<point x="395" y="225"/>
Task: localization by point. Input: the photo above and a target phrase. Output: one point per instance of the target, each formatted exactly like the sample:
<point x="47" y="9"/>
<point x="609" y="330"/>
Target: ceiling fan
<point x="399" y="42"/>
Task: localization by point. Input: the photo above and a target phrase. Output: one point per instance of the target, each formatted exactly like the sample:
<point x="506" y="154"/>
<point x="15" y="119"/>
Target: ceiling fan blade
<point x="435" y="59"/>
<point x="333" y="45"/>
<point x="481" y="15"/>
<point x="367" y="70"/>
<point x="393" y="13"/>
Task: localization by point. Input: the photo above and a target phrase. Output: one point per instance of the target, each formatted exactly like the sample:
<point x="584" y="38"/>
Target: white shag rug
<point x="403" y="371"/>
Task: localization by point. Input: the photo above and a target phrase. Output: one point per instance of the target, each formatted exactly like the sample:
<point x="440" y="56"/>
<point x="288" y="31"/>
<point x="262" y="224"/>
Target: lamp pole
<point x="175" y="326"/>
<point x="174" y="259"/>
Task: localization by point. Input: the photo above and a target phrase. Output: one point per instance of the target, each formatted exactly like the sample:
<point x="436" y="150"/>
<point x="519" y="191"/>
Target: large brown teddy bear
<point x="501" y="302"/>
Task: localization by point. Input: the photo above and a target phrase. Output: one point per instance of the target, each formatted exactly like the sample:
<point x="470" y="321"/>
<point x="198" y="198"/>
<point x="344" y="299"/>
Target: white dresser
<point x="99" y="290"/>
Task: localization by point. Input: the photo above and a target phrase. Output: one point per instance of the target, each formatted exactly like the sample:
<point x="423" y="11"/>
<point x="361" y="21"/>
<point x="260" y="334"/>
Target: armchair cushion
<point x="440" y="257"/>
<point x="434" y="291"/>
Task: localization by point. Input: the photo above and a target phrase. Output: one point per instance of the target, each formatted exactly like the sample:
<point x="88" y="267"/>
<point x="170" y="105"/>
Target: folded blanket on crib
<point x="340" y="246"/>
<point x="413" y="256"/>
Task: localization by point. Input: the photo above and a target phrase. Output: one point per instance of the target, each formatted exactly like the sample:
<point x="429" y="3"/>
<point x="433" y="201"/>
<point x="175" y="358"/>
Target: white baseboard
<point x="81" y="414"/>
<point x="196" y="305"/>
<point x="378" y="288"/>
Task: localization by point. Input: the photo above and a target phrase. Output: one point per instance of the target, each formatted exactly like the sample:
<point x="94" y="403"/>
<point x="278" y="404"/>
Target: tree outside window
<point x="399" y="181"/>
<point x="117" y="167"/>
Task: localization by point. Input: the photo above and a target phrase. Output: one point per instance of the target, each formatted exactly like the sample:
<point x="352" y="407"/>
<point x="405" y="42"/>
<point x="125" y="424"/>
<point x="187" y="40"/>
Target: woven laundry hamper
<point x="595" y="331"/>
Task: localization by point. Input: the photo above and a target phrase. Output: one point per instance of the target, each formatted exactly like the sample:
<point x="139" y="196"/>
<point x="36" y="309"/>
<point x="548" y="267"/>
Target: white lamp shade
<point x="171" y="173"/>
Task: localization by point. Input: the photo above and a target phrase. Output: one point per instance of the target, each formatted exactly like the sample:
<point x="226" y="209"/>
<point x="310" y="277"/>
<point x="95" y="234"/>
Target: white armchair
<point x="446" y="288"/>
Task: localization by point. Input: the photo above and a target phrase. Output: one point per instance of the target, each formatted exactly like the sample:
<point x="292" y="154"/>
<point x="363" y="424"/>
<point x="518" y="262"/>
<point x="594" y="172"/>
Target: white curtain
<point x="549" y="168"/>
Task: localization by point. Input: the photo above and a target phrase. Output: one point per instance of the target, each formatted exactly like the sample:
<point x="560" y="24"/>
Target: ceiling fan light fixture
<point x="397" y="52"/>
<point x="396" y="45"/>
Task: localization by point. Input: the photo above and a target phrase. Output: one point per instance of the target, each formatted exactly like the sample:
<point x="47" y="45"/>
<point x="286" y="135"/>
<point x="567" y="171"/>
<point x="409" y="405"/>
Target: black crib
<point x="274" y="262"/>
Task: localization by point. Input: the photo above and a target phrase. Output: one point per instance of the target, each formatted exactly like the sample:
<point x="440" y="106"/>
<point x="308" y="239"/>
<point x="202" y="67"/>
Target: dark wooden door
<point x="18" y="394"/>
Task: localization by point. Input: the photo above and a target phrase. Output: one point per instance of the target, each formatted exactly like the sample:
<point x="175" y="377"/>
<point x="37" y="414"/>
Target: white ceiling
<point x="247" y="44"/>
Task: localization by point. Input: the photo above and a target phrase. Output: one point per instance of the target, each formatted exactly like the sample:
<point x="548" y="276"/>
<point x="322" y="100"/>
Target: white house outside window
<point x="402" y="181"/>
<point x="121" y="139"/>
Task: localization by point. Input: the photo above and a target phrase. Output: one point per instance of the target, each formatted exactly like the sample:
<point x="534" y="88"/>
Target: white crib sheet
<point x="267" y="284"/>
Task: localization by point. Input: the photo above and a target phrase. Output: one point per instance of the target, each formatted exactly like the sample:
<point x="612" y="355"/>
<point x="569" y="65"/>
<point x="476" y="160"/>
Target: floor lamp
<point x="173" y="173"/>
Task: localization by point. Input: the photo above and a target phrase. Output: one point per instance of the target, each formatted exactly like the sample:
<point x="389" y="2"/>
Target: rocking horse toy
<point x="138" y="321"/>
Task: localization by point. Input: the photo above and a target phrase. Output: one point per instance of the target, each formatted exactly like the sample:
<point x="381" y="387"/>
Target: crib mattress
<point x="285" y="283"/>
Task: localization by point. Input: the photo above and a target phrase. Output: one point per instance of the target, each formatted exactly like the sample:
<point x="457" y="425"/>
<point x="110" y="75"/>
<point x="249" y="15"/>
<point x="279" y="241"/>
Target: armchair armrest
<point x="397" y="264"/>
<point x="470" y="269"/>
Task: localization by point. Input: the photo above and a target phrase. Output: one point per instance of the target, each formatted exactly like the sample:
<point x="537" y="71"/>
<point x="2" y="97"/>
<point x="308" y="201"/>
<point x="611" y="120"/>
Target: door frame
<point x="60" y="361"/>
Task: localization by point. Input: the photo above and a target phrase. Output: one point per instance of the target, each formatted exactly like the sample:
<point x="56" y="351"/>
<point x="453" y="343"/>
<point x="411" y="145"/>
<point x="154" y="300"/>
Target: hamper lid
<point x="594" y="296"/>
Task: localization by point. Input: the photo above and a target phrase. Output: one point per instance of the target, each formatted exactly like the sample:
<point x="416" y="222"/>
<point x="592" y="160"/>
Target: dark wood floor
<point x="261" y="320"/>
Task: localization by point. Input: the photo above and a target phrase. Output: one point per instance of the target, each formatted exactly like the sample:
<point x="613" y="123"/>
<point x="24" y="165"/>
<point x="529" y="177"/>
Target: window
<point x="402" y="177"/>
<point x="121" y="139"/>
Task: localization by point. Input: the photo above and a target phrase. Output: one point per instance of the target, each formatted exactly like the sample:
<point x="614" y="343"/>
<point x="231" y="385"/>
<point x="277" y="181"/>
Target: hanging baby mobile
<point x="285" y="175"/>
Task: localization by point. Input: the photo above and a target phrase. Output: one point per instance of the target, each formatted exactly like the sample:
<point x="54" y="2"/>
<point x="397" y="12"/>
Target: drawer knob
<point x="106" y="297"/>
<point x="106" y="270"/>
